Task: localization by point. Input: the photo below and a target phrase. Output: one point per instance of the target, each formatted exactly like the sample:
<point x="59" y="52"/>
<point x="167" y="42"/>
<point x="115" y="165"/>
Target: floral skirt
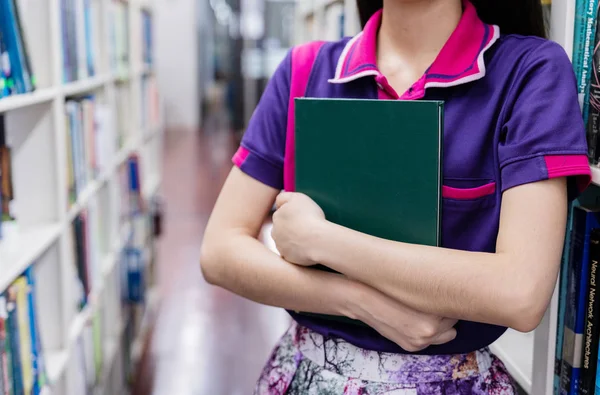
<point x="306" y="363"/>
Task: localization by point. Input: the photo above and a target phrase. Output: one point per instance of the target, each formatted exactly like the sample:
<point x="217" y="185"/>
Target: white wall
<point x="177" y="61"/>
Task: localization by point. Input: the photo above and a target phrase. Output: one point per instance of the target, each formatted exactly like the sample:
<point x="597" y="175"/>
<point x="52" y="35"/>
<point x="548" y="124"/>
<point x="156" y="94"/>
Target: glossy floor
<point x="206" y="340"/>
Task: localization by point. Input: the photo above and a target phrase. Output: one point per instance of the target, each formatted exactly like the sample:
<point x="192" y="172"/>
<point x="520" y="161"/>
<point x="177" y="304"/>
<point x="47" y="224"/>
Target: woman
<point x="514" y="154"/>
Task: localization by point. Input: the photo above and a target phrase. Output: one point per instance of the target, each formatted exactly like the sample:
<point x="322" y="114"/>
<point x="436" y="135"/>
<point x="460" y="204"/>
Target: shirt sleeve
<point x="543" y="133"/>
<point x="262" y="150"/>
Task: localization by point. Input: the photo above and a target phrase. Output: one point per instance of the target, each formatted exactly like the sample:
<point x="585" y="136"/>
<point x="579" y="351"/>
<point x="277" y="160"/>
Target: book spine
<point x="80" y="33"/>
<point x="590" y="34"/>
<point x="592" y="332"/>
<point x="571" y="338"/>
<point x="15" y="342"/>
<point x="89" y="38"/>
<point x="578" y="46"/>
<point x="30" y="76"/>
<point x="25" y="341"/>
<point x="562" y="300"/>
<point x="593" y="125"/>
<point x="582" y="303"/>
<point x="15" y="50"/>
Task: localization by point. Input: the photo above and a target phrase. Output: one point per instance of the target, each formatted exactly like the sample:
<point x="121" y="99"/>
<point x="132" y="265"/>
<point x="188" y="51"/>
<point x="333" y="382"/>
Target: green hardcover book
<point x="374" y="166"/>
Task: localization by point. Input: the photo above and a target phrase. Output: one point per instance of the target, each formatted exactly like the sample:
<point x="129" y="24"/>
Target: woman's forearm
<point x="465" y="285"/>
<point x="244" y="266"/>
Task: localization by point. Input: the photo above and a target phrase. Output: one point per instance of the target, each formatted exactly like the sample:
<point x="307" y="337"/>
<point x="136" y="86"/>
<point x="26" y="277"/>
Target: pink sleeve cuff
<point x="569" y="166"/>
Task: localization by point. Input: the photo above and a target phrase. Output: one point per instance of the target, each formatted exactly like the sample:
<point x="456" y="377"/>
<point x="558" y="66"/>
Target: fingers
<point x="282" y="199"/>
<point x="445" y="337"/>
<point x="447" y="324"/>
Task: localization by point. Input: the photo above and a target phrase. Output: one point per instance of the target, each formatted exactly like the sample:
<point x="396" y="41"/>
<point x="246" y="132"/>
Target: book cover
<point x="355" y="141"/>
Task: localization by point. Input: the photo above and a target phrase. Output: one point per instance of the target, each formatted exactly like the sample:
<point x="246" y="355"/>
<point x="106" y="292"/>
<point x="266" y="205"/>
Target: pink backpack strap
<point x="303" y="58"/>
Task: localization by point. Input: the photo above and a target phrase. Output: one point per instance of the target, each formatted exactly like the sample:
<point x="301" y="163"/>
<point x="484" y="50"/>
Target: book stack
<point x="22" y="369"/>
<point x="78" y="38"/>
<point x="16" y="74"/>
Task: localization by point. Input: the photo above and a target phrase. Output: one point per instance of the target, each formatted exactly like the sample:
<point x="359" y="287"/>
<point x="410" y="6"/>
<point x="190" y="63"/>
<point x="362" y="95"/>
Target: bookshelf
<point x="529" y="357"/>
<point x="92" y="57"/>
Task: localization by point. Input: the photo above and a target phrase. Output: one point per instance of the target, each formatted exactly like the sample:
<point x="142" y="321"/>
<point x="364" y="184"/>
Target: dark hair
<point x="523" y="17"/>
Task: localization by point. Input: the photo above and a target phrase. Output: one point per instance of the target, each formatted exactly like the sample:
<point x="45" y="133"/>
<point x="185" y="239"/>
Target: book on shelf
<point x="21" y="357"/>
<point x="90" y="142"/>
<point x="119" y="31"/>
<point x="149" y="103"/>
<point x="147" y="39"/>
<point x="17" y="72"/>
<point x="78" y="38"/>
<point x="6" y="182"/>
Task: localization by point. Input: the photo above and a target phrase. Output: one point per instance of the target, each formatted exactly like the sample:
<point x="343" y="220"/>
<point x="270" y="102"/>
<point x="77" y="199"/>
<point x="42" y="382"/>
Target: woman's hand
<point x="294" y="224"/>
<point x="410" y="329"/>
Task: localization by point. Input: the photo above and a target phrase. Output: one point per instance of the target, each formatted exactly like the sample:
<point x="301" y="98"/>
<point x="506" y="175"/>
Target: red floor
<point x="206" y="340"/>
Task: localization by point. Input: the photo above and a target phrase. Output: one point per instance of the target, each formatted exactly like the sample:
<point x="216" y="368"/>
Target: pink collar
<point x="460" y="61"/>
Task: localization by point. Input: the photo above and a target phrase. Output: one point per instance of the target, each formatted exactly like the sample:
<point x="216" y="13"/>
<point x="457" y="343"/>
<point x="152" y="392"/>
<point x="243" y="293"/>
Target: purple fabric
<point x="498" y="129"/>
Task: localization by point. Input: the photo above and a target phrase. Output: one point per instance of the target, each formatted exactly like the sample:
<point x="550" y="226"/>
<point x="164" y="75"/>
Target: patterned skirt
<point x="306" y="363"/>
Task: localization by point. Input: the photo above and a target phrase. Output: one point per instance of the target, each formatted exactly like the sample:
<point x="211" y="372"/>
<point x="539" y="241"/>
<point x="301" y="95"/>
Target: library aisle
<point x="206" y="340"/>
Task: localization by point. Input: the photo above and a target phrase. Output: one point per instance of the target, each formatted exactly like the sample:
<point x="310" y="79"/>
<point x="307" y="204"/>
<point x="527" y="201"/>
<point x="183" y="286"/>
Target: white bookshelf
<point x="36" y="132"/>
<point x="529" y="357"/>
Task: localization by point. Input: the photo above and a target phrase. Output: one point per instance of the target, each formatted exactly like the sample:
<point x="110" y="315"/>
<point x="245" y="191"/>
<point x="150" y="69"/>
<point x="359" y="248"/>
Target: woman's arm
<point x="511" y="287"/>
<point x="234" y="259"/>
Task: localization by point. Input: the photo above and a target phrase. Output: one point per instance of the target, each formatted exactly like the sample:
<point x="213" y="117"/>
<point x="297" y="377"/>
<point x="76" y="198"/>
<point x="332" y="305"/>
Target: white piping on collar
<point x="342" y="61"/>
<point x="480" y="64"/>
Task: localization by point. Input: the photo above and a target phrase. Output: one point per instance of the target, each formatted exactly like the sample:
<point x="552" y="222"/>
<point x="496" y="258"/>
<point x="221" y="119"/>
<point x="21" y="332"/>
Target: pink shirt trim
<point x="570" y="165"/>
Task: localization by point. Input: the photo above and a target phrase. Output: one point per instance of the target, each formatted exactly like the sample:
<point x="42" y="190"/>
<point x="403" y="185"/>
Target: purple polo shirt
<point x="511" y="117"/>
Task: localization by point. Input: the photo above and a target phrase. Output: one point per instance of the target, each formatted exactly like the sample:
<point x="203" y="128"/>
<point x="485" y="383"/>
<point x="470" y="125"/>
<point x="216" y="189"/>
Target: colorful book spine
<point x="5" y="387"/>
<point x="590" y="220"/>
<point x="590" y="34"/>
<point x="562" y="300"/>
<point x="592" y="331"/>
<point x="593" y="124"/>
<point x="24" y="332"/>
<point x="578" y="46"/>
<point x="15" y="344"/>
<point x="36" y="349"/>
<point x="570" y="359"/>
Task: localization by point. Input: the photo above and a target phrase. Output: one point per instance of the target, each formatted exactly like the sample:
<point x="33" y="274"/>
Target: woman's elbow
<point x="526" y="311"/>
<point x="210" y="254"/>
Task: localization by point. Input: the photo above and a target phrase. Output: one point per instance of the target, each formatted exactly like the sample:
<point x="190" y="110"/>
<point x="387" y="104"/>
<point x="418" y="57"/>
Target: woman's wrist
<point x="318" y="240"/>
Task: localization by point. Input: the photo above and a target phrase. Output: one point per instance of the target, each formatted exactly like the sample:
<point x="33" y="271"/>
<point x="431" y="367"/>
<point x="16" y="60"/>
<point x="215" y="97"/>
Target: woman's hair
<point x="523" y="17"/>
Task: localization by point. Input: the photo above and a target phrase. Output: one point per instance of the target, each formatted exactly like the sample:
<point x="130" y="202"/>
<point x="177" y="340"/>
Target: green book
<point x="374" y="166"/>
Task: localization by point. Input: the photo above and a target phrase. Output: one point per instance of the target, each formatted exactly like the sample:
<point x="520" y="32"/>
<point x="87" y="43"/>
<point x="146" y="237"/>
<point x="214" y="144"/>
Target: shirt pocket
<point x="469" y="214"/>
